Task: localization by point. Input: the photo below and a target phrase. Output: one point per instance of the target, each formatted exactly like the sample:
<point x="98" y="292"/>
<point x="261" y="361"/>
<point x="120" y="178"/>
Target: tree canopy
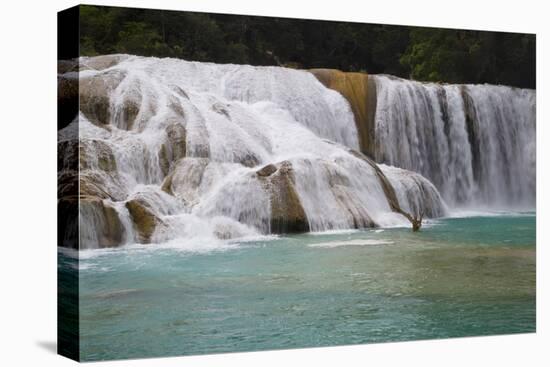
<point x="427" y="54"/>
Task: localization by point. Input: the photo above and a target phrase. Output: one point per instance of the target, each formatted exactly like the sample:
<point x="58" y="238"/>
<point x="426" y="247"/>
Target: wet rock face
<point x="249" y="160"/>
<point x="185" y="179"/>
<point x="267" y="170"/>
<point x="144" y="221"/>
<point x="174" y="148"/>
<point x="287" y="213"/>
<point x="94" y="93"/>
<point x="104" y="227"/>
<point x="416" y="196"/>
<point x="102" y="62"/>
<point x="358" y="90"/>
<point x="101" y="185"/>
<point x="96" y="154"/>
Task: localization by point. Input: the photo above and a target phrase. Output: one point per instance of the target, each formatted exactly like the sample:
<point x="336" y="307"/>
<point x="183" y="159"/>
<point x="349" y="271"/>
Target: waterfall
<point x="192" y="153"/>
<point x="476" y="143"/>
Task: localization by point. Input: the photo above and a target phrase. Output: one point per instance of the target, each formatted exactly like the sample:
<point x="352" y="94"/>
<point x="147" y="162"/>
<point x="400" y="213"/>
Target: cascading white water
<point x="476" y="143"/>
<point x="194" y="152"/>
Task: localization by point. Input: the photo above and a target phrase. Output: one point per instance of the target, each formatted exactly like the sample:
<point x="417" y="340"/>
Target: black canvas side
<point x="67" y="185"/>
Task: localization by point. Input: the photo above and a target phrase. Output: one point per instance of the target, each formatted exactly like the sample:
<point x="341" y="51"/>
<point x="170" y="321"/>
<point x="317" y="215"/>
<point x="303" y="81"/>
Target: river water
<point x="457" y="277"/>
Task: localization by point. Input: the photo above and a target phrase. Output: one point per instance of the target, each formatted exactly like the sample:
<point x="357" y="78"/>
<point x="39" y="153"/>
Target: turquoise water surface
<point x="456" y="277"/>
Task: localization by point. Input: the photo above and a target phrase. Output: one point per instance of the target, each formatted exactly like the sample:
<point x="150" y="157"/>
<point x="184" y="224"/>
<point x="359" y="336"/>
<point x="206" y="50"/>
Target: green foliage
<point x="139" y="38"/>
<point x="429" y="54"/>
<point x="458" y="56"/>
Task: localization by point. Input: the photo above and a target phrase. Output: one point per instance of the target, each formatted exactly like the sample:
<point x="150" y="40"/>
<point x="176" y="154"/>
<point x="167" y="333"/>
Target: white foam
<point x="352" y="243"/>
<point x="484" y="212"/>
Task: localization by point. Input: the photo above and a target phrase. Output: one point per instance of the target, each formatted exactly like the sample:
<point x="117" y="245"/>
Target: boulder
<point x="186" y="177"/>
<point x="96" y="155"/>
<point x="95" y="92"/>
<point x="100" y="224"/>
<point x="174" y="148"/>
<point x="359" y="216"/>
<point x="144" y="221"/>
<point x="287" y="213"/>
<point x="267" y="170"/>
<point x="416" y="195"/>
<point x="101" y="185"/>
<point x="126" y="111"/>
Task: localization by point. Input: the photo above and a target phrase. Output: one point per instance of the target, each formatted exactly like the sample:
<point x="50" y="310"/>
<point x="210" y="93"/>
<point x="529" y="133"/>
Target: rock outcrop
<point x="104" y="227"/>
<point x="94" y="93"/>
<point x="287" y="213"/>
<point x="174" y="148"/>
<point x="96" y="155"/>
<point x="416" y="194"/>
<point x="185" y="179"/>
<point x="144" y="221"/>
<point x="360" y="93"/>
